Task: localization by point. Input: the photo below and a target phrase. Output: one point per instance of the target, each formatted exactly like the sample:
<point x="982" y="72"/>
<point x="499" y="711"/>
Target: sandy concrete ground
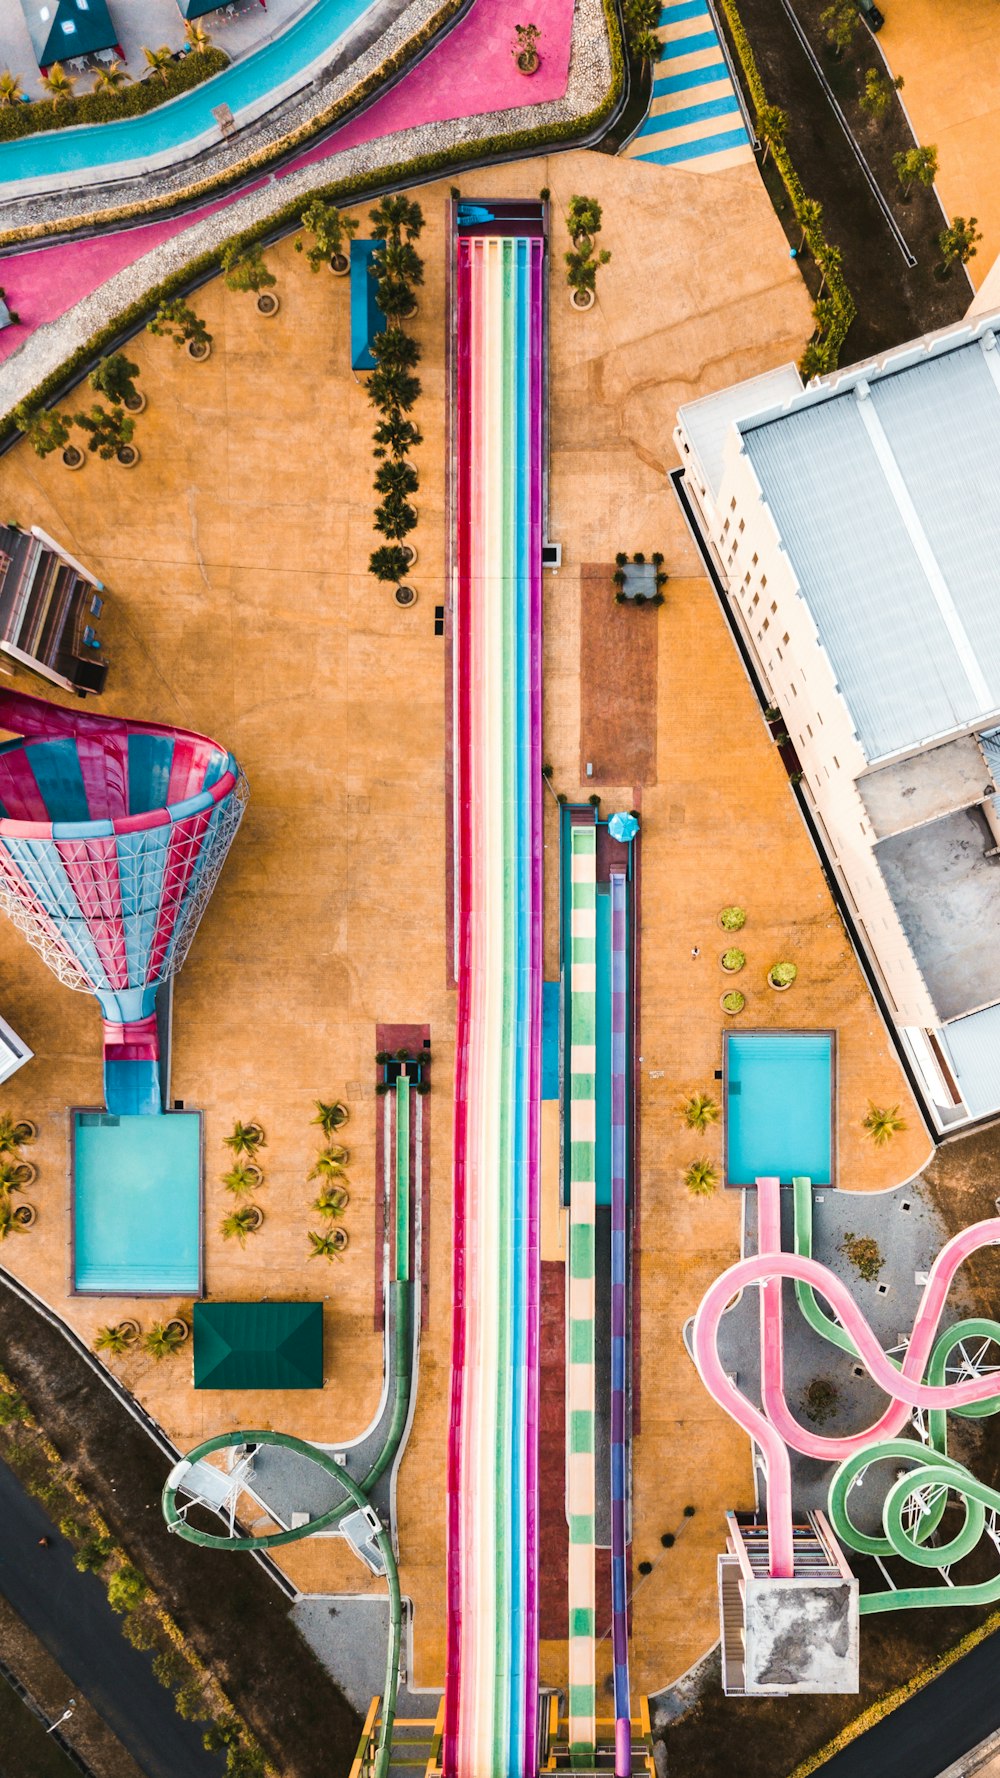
<point x="949" y="58"/>
<point x="240" y="604"/>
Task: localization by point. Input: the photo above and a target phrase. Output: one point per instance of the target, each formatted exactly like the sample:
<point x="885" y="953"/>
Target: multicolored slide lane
<point x="492" y="1668"/>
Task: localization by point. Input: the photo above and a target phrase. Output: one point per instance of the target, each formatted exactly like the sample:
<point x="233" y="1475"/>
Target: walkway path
<point x="70" y="1615"/>
<point x="695" y="118"/>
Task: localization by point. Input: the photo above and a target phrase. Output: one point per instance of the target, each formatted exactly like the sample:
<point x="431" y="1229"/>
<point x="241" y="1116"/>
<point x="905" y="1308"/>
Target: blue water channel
<point x="171" y="127"/>
<point x="779" y="1103"/>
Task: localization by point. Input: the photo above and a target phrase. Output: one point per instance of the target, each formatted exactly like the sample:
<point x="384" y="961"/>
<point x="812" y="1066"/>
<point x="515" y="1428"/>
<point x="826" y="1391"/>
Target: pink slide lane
<point x="470" y="71"/>
<point x="774" y="1429"/>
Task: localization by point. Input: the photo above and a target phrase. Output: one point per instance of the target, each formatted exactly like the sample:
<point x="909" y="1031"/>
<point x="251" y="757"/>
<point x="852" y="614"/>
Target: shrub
<point x="114" y="377"/>
<point x="882" y="1123"/>
<point x="734" y="958"/>
<point x="105" y="107"/>
<point x="734" y="1001"/>
<point x="244" y="269"/>
<point x="179" y="323"/>
<point x="45" y="429"/>
<point x="92" y="1555"/>
<point x="699" y="1111"/>
<point x="732" y="919"/>
<point x="13" y="1409"/>
<point x="127" y="1588"/>
<point x="782" y="975"/>
<point x="819" y="1400"/>
<point x="701" y="1178"/>
<point x="864" y="1254"/>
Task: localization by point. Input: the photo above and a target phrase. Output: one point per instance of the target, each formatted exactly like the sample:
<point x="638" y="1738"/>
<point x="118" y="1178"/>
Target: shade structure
<point x="258" y="1345"/>
<point x="112" y="837"/>
<point x="61" y="30"/>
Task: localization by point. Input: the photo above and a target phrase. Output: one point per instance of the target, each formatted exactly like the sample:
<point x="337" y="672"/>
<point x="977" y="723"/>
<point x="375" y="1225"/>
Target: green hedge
<point x="343" y="192"/>
<point x="128" y="101"/>
<point x="816" y="240"/>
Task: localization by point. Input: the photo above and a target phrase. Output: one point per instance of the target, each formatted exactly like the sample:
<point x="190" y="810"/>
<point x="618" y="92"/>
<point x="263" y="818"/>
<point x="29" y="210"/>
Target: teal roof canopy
<point x="61" y="30"/>
<point x="258" y="1345"/>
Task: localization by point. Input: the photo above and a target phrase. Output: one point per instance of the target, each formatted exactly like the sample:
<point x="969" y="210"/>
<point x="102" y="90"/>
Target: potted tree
<point x="332" y="1201"/>
<point x="525" y="50"/>
<point x="733" y="1002"/>
<point x="390" y="562"/>
<point x="583" y="221"/>
<point x="732" y="919"/>
<point x="114" y="377"/>
<point x="780" y="976"/>
<point x="246" y="1139"/>
<point x="176" y="321"/>
<point x="241" y="1223"/>
<point x="331" y="1117"/>
<point x="48" y="430"/>
<point x="700" y="1111"/>
<point x="732" y="960"/>
<point x="110" y="434"/>
<point x="397" y="216"/>
<point x="331" y="1244"/>
<point x="117" y="1338"/>
<point x="581" y="276"/>
<point x="331" y="233"/>
<point x="243" y="1178"/>
<point x="164" y="1339"/>
<point x="701" y="1178"/>
<point x="244" y="269"/>
<point x="14" y="1132"/>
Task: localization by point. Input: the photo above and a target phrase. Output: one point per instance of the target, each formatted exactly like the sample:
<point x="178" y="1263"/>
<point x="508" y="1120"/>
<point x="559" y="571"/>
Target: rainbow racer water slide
<point x="491" y="1695"/>
<point x="916" y="1497"/>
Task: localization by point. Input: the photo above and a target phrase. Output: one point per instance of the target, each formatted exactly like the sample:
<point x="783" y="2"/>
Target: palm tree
<point x="159" y="60"/>
<point x="647" y="46"/>
<point x="810" y="215"/>
<point x="882" y="1123"/>
<point x="58" y="84"/>
<point x="10" y="1223"/>
<point x="395" y="216"/>
<point x="330" y="1118"/>
<point x="329" y="1245"/>
<point x="389" y="563"/>
<point x="772" y="124"/>
<point x="398" y="262"/>
<point x="14" y="1175"/>
<point x="117" y="1338"/>
<point x="396" y="348"/>
<point x="392" y="390"/>
<point x="10" y="88"/>
<point x="242" y="1179"/>
<point x="395" y="436"/>
<point x="701" y="1178"/>
<point x="163" y="1339"/>
<point x="699" y="1111"/>
<point x="197" y="36"/>
<point x="246" y="1138"/>
<point x="111" y="78"/>
<point x="332" y="1201"/>
<point x="241" y="1223"/>
<point x="12" y="1134"/>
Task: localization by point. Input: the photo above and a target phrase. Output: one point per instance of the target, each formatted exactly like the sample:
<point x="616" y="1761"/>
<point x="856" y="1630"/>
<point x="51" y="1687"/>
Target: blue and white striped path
<point x="695" y="119"/>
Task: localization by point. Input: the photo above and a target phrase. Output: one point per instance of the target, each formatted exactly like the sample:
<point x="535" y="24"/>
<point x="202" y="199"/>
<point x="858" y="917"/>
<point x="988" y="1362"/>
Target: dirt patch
<point x="618" y="656"/>
<point x="895" y="302"/>
<point x="235" y="1617"/>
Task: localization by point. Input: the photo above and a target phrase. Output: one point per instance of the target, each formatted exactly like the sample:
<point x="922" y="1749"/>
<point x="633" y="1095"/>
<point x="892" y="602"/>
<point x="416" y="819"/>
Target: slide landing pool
<point x="779" y="1105"/>
<point x="137" y="1204"/>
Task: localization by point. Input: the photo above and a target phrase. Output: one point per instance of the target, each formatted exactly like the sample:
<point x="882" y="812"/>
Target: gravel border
<point x="52" y="344"/>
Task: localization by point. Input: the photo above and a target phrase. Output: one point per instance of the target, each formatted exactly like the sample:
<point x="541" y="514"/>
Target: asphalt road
<point x="934" y="1728"/>
<point x="70" y="1615"/>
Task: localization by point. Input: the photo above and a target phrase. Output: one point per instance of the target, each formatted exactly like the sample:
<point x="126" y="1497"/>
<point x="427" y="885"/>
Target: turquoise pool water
<point x="170" y="127"/>
<point x="137" y="1203"/>
<point x="779" y="1100"/>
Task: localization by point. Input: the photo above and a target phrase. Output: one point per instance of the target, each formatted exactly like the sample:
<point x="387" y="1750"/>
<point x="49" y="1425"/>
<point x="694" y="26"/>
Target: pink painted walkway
<point x="472" y="71"/>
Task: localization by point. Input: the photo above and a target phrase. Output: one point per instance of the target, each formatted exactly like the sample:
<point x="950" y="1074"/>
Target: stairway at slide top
<point x="694" y="119"/>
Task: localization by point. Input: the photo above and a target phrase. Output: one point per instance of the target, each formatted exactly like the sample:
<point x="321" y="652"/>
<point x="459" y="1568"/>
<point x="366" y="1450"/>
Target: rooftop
<point x="946" y="891"/>
<point x="883" y="489"/>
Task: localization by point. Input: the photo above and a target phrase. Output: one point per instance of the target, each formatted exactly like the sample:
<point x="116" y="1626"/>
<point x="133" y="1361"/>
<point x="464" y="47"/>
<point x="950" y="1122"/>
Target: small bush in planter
<point x="657" y="558"/>
<point x="732" y="919"/>
<point x="701" y="1179"/>
<point x="782" y="975"/>
<point x="638" y="558"/>
<point x="734" y="1001"/>
<point x="619" y="577"/>
<point x="621" y="559"/>
<point x="619" y="597"/>
<point x="733" y="959"/>
<point x="330" y="231"/>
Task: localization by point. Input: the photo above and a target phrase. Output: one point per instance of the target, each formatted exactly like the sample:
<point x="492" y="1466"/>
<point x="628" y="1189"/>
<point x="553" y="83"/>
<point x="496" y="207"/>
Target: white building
<point x="855" y="528"/>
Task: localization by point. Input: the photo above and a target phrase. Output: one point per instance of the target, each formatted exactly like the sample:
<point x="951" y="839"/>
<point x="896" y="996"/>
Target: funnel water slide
<point x="112" y="837"/>
<point x="491" y="1695"/>
<point x="773" y="1427"/>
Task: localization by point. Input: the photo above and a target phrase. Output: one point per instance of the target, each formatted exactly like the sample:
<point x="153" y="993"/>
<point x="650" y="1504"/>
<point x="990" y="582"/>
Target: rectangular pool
<point x="779" y="1089"/>
<point x="137" y="1204"/>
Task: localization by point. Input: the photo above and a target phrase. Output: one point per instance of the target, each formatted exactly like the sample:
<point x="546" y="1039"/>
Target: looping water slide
<point x="916" y="1501"/>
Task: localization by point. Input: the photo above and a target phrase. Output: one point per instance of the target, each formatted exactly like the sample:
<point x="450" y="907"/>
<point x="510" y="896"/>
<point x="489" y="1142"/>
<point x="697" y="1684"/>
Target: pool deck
<point x="240" y="603"/>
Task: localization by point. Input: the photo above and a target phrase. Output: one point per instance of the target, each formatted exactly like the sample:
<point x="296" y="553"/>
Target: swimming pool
<point x="248" y="87"/>
<point x="137" y="1204"/>
<point x="779" y="1105"/>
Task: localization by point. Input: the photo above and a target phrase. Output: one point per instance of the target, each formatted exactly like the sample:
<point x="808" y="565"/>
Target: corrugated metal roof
<point x="893" y="530"/>
<point x="974" y="1046"/>
<point x="708" y="420"/>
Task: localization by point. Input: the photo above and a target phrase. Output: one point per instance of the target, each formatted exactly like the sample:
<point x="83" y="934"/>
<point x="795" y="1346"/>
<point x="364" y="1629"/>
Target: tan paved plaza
<point x="240" y="604"/>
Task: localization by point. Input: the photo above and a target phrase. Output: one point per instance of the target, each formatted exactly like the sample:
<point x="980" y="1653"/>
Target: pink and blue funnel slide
<point x="112" y="837"/>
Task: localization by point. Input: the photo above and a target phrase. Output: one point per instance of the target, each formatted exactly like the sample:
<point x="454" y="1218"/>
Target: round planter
<point x="268" y="303"/>
<point x="254" y="1172"/>
<point x="405" y="596"/>
<point x="199" y="350"/>
<point x="728" y="968"/>
<point x="73" y="457"/>
<point x="341" y="1240"/>
<point x="340" y="265"/>
<point x="256" y="1217"/>
<point x="529" y="62"/>
<point x="183" y="1330"/>
<point x="25" y="1174"/>
<point x="138" y="403"/>
<point x="583" y="243"/>
<point x="338" y="1198"/>
<point x="779" y="987"/>
<point x="25" y="1131"/>
<point x="582" y="299"/>
<point x="25" y="1216"/>
<point x="128" y="456"/>
<point x="255" y="1135"/>
<point x="731" y="1012"/>
<point x="408" y="314"/>
<point x="411" y="554"/>
<point x="129" y="1330"/>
